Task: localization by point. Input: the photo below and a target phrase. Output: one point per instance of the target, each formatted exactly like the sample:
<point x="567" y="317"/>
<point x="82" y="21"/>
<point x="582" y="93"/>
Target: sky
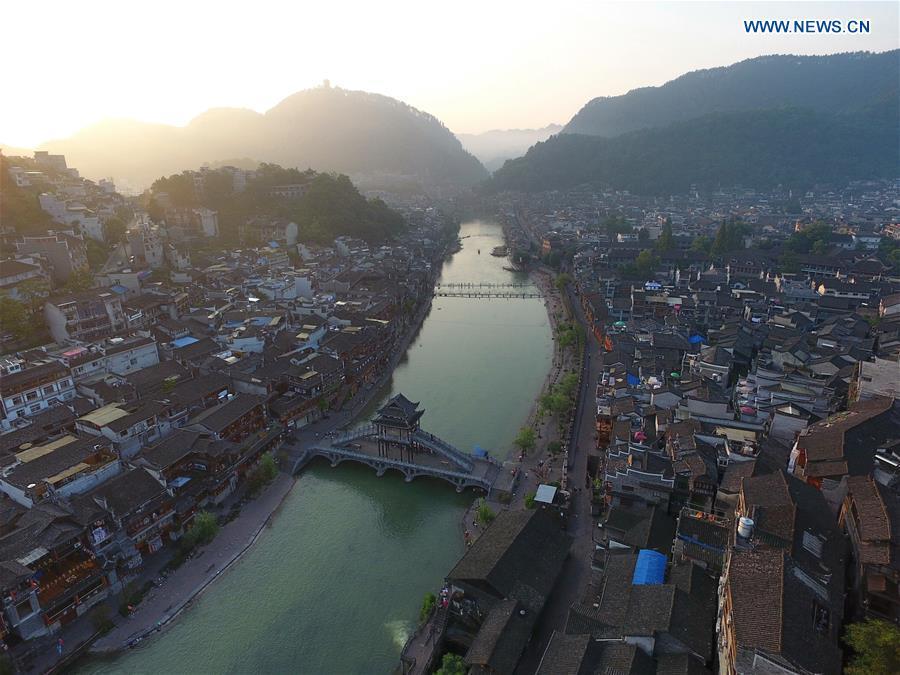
<point x="476" y="65"/>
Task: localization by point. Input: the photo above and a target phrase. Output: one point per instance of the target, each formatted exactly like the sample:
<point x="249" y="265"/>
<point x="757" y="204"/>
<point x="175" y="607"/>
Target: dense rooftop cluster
<point x="160" y="393"/>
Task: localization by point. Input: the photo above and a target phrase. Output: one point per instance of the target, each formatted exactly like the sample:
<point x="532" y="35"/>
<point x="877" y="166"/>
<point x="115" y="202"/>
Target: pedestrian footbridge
<point x="417" y="454"/>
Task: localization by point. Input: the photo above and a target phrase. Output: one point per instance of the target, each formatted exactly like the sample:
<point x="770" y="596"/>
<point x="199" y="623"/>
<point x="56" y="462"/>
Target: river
<point x="335" y="585"/>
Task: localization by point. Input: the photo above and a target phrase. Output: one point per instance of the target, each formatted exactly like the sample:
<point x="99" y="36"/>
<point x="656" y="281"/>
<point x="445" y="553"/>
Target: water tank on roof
<point x="745" y="527"/>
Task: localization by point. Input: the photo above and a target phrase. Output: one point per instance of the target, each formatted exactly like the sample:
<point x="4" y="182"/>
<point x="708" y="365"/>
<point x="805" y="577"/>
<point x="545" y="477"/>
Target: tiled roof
<point x="756" y="580"/>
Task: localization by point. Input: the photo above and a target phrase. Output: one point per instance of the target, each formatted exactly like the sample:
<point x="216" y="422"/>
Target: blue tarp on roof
<point x="178" y="343"/>
<point x="696" y="339"/>
<point x="479" y="451"/>
<point x="650" y="568"/>
<point x="632" y="380"/>
<point x="118" y="288"/>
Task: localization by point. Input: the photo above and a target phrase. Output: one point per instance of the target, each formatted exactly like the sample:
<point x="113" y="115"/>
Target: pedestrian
<point x="59" y="646"/>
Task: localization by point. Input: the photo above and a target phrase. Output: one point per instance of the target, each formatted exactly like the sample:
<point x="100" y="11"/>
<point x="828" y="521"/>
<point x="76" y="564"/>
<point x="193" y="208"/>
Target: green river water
<point x="335" y="585"/>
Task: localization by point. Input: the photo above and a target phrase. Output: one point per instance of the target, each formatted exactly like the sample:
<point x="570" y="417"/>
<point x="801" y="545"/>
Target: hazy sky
<point x="476" y="65"/>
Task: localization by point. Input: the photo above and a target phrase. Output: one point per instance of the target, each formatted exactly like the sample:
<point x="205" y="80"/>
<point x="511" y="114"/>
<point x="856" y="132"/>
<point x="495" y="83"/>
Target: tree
<point x="569" y="384"/>
<point x="666" y="241"/>
<point x="428" y="603"/>
<point x="267" y="467"/>
<point x="645" y="263"/>
<point x="33" y="292"/>
<point x="115" y="230"/>
<point x="452" y="664"/>
<point x="525" y="440"/>
<point x="97" y="253"/>
<point x="485" y="514"/>
<point x="81" y="280"/>
<point x="204" y="529"/>
<point x="876" y="647"/>
<point x="562" y="280"/>
<point x="820" y="247"/>
<point x="13" y="318"/>
<point x="789" y="262"/>
<point x="702" y="244"/>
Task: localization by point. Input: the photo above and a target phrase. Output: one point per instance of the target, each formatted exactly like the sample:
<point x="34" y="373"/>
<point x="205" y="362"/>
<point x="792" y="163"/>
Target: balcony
<point x="61" y="577"/>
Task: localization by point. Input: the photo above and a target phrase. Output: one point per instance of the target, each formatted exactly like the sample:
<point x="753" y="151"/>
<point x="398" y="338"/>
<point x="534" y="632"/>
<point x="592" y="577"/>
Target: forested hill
<point x="838" y="83"/>
<point x="331" y="205"/>
<point x="792" y="147"/>
<point x="368" y="136"/>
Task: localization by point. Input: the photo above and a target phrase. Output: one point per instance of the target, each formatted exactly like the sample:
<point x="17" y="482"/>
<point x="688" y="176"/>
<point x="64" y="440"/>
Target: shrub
<point x="452" y="664"/>
<point x="427" y="605"/>
<point x="485" y="514"/>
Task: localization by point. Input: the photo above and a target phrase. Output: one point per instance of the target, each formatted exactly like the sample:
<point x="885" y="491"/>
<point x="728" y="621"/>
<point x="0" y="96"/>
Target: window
<point x="31" y="395"/>
<point x="48" y="390"/>
<point x="813" y="543"/>
<point x="17" y="400"/>
<point x="35" y="407"/>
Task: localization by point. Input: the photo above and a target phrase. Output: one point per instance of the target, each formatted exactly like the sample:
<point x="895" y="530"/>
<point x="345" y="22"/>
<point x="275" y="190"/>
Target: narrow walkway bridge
<point x="511" y="295"/>
<point x="461" y="286"/>
<point x="392" y="443"/>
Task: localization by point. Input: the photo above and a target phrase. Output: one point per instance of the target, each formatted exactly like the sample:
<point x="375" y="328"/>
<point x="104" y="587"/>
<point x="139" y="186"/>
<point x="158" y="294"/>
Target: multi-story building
<point x="62" y="467"/>
<point x="66" y="253"/>
<point x="27" y="388"/>
<point x="233" y="420"/>
<point x="84" y="316"/>
<point x="14" y="273"/>
<point x="128" y="427"/>
<point x="781" y="598"/>
<point x="870" y="515"/>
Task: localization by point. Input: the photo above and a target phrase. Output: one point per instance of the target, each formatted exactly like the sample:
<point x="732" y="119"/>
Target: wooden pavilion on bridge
<point x="397" y="422"/>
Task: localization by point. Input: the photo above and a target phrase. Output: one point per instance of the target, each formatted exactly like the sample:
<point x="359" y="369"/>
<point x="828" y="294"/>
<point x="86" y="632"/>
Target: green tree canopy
<point x="876" y="648"/>
<point x="452" y="664"/>
<point x="666" y="241"/>
<point x="13" y="318"/>
<point x="526" y="439"/>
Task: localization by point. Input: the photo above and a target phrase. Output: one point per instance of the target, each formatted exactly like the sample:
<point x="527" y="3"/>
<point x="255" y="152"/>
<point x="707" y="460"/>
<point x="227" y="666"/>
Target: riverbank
<point x="165" y="603"/>
<point x="538" y="466"/>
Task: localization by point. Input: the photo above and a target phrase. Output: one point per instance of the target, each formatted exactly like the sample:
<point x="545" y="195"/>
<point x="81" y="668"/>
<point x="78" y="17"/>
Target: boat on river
<point x="500" y="252"/>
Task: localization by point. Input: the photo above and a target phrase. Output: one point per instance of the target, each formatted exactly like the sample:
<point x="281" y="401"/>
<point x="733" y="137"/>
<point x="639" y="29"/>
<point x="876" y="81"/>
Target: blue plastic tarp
<point x="632" y="380"/>
<point x="696" y="339"/>
<point x="650" y="568"/>
<point x="178" y="343"/>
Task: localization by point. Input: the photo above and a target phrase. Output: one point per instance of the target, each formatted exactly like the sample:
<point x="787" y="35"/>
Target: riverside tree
<point x="525" y="440"/>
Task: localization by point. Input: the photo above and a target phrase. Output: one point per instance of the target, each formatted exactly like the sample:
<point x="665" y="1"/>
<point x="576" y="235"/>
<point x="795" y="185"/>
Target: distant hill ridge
<point x="497" y="145"/>
<point x="833" y="84"/>
<point x="793" y="121"/>
<point x="326" y="128"/>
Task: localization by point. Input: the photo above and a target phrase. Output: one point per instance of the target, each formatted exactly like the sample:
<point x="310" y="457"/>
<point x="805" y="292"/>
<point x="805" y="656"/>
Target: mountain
<point x="834" y="84"/>
<point x="761" y="149"/>
<point x="794" y="121"/>
<point x="368" y="136"/>
<point x="494" y="147"/>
